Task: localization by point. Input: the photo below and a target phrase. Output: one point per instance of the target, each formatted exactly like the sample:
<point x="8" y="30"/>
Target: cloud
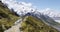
<point x="26" y="4"/>
<point x="48" y="9"/>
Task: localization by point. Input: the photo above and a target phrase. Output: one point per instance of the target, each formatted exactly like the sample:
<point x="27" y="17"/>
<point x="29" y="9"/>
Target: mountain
<point x="7" y="18"/>
<point x="22" y="8"/>
<point x="38" y="16"/>
<point x="32" y="24"/>
<point x="53" y="14"/>
<point x="35" y="19"/>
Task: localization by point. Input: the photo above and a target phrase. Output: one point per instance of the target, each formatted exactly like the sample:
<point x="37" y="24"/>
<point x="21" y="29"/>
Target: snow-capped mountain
<point x="51" y="13"/>
<point x="22" y="8"/>
<point x="25" y="9"/>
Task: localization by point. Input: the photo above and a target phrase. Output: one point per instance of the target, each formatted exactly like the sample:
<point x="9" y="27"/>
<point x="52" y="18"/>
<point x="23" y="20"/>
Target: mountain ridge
<point x="36" y="21"/>
<point x="37" y="14"/>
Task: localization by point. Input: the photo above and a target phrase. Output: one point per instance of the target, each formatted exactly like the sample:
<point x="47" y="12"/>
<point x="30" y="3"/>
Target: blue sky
<point x="42" y="4"/>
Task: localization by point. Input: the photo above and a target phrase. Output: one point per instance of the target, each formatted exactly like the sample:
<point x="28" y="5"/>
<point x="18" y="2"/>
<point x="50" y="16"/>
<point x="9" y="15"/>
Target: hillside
<point x="7" y="18"/>
<point x="35" y="25"/>
<point x="30" y="24"/>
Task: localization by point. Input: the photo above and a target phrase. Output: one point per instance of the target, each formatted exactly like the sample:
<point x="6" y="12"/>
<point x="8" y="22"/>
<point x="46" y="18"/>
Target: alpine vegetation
<point x="26" y="18"/>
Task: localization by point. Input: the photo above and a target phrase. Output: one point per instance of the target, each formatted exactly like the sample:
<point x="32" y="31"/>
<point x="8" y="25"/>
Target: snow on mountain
<point x="22" y="8"/>
<point x="51" y="13"/>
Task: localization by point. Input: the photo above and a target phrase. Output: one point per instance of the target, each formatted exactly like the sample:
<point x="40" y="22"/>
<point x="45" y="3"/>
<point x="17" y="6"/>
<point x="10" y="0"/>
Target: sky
<point x="43" y="4"/>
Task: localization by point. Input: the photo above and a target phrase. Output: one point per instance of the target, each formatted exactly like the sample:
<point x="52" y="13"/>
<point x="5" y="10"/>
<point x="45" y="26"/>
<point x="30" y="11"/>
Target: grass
<point x="7" y="18"/>
<point x="34" y="25"/>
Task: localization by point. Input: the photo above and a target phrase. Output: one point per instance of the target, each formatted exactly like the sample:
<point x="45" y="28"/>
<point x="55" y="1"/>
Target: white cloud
<point x="48" y="9"/>
<point x="26" y="4"/>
